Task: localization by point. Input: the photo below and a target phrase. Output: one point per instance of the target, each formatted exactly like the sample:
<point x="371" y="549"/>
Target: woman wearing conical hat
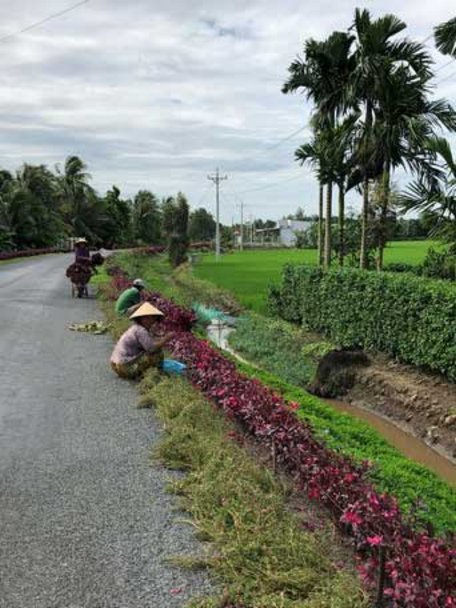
<point x="138" y="349"/>
<point x="81" y="251"/>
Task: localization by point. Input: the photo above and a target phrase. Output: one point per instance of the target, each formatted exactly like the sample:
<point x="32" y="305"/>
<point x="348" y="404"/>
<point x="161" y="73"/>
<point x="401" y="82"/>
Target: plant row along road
<point x="420" y="570"/>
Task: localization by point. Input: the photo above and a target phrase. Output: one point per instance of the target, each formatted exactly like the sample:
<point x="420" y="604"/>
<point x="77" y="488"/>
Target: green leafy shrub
<point x="440" y="264"/>
<point x="411" y="318"/>
<point x="403" y="267"/>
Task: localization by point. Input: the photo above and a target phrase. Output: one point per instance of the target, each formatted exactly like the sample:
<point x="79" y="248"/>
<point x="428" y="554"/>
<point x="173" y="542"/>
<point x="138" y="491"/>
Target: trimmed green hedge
<point x="411" y="318"/>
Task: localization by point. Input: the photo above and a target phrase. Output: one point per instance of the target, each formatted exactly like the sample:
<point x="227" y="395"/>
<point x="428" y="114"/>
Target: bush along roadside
<point x="411" y="318"/>
<point x="419" y="570"/>
<point x="261" y="552"/>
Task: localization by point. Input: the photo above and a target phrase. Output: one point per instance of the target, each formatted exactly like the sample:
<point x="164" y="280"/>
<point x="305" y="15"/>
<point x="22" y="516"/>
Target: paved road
<point x="85" y="521"/>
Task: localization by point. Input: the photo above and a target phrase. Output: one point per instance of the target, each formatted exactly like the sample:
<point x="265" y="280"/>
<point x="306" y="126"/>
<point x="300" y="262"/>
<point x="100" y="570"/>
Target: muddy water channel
<point x="409" y="445"/>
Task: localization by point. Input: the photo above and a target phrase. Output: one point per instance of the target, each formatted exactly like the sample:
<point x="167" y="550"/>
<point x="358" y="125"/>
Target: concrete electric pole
<point x="217" y="178"/>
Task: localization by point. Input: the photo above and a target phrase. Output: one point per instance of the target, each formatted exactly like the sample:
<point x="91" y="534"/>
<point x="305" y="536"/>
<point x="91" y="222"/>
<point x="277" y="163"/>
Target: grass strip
<point x="261" y="553"/>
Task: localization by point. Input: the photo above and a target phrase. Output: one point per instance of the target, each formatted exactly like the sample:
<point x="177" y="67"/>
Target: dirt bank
<point x="421" y="403"/>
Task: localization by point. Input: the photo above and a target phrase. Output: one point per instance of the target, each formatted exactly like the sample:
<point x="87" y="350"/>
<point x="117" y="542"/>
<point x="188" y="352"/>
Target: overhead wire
<point x="273" y="185"/>
<point x="43" y="21"/>
<point x="446" y="78"/>
<point x="269" y="148"/>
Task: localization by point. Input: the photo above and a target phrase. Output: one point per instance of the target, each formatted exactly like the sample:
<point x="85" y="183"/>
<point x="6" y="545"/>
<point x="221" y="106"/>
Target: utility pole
<point x="241" y="239"/>
<point x="217" y="179"/>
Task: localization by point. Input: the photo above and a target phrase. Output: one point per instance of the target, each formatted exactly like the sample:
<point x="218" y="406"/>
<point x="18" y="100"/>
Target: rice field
<point x="247" y="274"/>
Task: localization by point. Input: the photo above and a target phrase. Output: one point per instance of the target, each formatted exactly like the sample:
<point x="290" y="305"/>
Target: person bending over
<point x="138" y="349"/>
<point x="129" y="299"/>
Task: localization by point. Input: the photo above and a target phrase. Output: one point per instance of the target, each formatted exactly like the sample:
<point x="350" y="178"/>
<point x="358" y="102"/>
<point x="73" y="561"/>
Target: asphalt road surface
<point x="85" y="519"/>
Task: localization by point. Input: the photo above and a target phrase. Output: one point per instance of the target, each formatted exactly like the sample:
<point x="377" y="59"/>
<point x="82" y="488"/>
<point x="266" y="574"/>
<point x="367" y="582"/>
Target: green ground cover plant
<point x="248" y="274"/>
<point x="407" y="317"/>
<point x="280" y="347"/>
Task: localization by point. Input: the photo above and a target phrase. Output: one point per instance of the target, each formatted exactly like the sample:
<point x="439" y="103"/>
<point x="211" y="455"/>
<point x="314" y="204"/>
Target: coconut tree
<point x="81" y="208"/>
<point x="445" y="37"/>
<point x="377" y="55"/>
<point x="147" y="217"/>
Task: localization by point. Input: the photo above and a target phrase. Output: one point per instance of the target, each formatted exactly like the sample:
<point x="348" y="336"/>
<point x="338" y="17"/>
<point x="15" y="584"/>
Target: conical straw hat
<point x="147" y="310"/>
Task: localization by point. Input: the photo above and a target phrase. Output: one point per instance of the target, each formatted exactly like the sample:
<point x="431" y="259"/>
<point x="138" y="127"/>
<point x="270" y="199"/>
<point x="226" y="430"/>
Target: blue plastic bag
<point x="173" y="367"/>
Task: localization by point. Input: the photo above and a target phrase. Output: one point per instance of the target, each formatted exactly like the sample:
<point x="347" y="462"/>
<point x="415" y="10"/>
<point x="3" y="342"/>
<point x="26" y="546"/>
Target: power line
<point x="446" y="78"/>
<point x="445" y="65"/>
<point x="283" y="181"/>
<point x="42" y="21"/>
<point x="269" y="148"/>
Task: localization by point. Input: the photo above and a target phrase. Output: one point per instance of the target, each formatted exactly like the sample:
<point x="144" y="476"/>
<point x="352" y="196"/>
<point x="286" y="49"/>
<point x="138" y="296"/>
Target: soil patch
<point x="421" y="403"/>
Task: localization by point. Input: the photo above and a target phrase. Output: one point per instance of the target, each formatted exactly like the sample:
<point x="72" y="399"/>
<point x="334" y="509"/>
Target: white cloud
<point x="156" y="94"/>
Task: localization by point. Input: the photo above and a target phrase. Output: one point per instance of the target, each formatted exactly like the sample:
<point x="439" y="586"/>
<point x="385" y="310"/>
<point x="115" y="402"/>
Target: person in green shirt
<point x="129" y="299"/>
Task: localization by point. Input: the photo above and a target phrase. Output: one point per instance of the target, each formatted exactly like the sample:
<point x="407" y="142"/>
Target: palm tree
<point x="312" y="153"/>
<point x="435" y="194"/>
<point x="323" y="75"/>
<point x="147" y="217"/>
<point x="405" y="121"/>
<point x="376" y="58"/>
<point x="445" y="37"/>
<point x="339" y="143"/>
<point x="82" y="209"/>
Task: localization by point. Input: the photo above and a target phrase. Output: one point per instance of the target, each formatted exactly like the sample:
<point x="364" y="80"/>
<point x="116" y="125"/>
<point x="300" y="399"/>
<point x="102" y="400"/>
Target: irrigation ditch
<point x="404" y="439"/>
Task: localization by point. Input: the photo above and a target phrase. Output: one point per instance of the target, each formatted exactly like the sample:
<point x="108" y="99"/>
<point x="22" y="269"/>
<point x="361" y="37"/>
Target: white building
<point x="285" y="233"/>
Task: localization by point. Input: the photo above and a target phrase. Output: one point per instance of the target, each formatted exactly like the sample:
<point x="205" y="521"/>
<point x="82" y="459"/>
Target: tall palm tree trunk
<point x="365" y="211"/>
<point x="320" y="226"/>
<point x="341" y="222"/>
<point x="364" y="224"/>
<point x="384" y="206"/>
<point x="328" y="216"/>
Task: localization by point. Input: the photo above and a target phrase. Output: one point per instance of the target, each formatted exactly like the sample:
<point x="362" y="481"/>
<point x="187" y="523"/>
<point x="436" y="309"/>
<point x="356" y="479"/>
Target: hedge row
<point x="410" y="318"/>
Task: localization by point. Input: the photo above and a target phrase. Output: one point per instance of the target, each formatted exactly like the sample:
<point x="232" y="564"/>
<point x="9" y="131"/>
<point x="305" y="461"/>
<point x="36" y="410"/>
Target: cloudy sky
<point x="156" y="94"/>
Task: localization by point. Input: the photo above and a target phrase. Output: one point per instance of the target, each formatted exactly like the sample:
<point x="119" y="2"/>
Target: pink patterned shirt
<point x="132" y="344"/>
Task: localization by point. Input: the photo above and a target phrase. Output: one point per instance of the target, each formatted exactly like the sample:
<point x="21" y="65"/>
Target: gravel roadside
<point x="85" y="519"/>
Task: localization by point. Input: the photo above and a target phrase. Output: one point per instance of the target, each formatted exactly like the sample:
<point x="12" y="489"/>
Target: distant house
<point x="285" y="233"/>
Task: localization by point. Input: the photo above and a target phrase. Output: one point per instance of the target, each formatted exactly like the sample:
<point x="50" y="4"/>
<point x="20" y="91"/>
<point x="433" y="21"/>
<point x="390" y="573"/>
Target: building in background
<point x="285" y="233"/>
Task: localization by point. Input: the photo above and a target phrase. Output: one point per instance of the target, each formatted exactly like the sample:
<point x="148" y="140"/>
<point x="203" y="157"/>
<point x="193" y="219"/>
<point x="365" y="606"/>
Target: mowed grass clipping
<point x="260" y="551"/>
<point x="247" y="274"/>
